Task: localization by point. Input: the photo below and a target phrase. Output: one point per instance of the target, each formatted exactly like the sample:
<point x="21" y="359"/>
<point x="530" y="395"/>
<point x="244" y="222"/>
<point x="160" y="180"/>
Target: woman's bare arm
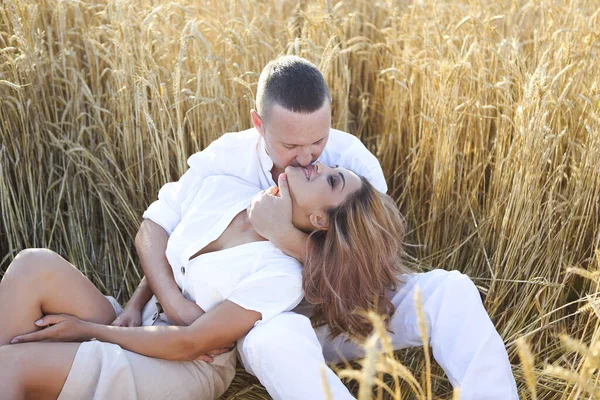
<point x="221" y="326"/>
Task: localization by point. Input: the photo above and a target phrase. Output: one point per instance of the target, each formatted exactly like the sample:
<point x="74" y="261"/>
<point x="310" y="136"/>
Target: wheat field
<point x="484" y="115"/>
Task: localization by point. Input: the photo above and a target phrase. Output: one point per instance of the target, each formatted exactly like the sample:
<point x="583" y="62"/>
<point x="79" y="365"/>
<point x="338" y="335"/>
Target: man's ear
<point x="319" y="221"/>
<point x="257" y="122"/>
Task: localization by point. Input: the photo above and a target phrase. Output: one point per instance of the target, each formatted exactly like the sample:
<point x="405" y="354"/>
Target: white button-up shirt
<point x="188" y="209"/>
<point x="256" y="276"/>
<point x="243" y="155"/>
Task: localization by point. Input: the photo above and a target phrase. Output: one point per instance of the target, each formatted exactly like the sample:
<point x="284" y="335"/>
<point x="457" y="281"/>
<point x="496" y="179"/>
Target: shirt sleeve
<point x="376" y="178"/>
<point x="275" y="288"/>
<point x="175" y="197"/>
<point x="362" y="162"/>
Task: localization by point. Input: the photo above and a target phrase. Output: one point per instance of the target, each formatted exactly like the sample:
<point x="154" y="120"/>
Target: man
<point x="292" y="127"/>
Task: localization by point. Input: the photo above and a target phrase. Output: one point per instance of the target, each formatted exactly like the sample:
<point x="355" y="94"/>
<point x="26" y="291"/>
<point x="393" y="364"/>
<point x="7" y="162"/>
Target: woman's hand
<point x="130" y="317"/>
<point x="56" y="328"/>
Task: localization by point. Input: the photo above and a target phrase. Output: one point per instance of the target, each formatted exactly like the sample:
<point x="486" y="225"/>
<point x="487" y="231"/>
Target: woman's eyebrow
<point x="343" y="180"/>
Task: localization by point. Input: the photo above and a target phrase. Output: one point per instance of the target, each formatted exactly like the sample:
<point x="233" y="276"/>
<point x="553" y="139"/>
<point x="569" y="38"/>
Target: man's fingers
<point x="284" y="190"/>
<point x="221" y="350"/>
<point x="206" y="358"/>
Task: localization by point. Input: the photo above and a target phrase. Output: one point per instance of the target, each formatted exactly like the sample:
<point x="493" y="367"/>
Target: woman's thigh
<point x="106" y="371"/>
<point x="40" y="282"/>
<point x="102" y="370"/>
<point x="35" y="370"/>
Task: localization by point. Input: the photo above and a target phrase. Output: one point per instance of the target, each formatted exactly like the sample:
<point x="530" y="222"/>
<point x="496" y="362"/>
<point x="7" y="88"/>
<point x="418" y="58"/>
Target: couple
<point x="212" y="278"/>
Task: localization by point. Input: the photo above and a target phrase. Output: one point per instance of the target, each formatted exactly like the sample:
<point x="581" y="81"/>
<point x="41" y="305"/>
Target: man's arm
<point x="290" y="240"/>
<point x="132" y="313"/>
<point x="151" y="245"/>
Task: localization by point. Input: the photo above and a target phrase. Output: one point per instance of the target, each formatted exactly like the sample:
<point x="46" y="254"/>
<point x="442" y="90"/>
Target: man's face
<point x="294" y="139"/>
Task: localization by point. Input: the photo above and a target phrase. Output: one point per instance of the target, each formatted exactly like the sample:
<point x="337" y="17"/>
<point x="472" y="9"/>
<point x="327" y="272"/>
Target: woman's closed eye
<point x="332" y="180"/>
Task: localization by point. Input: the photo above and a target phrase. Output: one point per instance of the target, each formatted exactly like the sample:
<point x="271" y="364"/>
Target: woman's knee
<point x="461" y="286"/>
<point x="268" y="333"/>
<point x="273" y="336"/>
<point x="11" y="367"/>
<point x="31" y="263"/>
<point x="444" y="283"/>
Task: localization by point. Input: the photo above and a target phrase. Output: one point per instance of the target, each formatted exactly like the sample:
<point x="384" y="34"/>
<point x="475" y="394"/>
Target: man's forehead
<point x="299" y="128"/>
<point x="302" y="139"/>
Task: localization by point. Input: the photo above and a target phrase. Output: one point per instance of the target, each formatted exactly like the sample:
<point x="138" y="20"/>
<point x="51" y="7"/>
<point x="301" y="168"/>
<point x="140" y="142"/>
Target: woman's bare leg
<point x="40" y="282"/>
<point x="35" y="370"/>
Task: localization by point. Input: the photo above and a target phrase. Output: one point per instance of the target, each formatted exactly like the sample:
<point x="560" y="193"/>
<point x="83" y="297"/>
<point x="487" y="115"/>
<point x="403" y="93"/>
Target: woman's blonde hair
<point x="353" y="264"/>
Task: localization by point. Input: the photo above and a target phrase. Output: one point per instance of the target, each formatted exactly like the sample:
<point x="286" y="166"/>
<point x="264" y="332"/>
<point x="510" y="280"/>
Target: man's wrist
<point x="279" y="231"/>
<point x="134" y="304"/>
<point x="140" y="297"/>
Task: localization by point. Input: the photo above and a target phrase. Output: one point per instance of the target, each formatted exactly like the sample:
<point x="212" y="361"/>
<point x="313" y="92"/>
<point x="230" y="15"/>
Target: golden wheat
<point x="485" y="117"/>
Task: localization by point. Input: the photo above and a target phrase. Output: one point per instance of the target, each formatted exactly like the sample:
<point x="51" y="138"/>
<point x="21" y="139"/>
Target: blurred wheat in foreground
<point x="485" y="116"/>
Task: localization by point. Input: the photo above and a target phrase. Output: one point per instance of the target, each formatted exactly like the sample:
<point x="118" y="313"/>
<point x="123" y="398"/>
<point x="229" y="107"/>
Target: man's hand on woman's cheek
<point x="271" y="211"/>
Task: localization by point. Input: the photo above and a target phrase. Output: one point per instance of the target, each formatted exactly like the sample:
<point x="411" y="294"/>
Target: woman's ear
<point x="319" y="221"/>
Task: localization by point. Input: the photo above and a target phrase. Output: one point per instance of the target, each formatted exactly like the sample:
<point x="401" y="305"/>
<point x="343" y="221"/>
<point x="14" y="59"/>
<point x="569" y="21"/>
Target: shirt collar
<point x="265" y="160"/>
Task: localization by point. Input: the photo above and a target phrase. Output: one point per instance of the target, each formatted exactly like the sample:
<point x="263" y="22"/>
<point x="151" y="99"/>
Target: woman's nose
<point x="320" y="167"/>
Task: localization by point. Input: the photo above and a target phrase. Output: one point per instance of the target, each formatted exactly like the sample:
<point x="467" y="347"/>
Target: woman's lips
<point x="307" y="171"/>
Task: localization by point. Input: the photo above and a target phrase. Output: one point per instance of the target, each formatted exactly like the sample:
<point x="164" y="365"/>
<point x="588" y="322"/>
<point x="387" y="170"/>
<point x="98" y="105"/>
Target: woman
<point x="234" y="275"/>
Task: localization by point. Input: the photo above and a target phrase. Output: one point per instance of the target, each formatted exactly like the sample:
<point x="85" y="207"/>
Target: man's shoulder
<point x="341" y="136"/>
<point x="241" y="138"/>
<point x="231" y="144"/>
<point x="343" y="143"/>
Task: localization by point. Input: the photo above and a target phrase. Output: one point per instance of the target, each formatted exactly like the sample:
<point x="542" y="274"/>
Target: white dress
<point x="256" y="276"/>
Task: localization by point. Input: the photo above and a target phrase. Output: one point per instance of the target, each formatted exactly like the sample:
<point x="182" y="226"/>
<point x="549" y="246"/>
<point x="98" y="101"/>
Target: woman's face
<point x="316" y="188"/>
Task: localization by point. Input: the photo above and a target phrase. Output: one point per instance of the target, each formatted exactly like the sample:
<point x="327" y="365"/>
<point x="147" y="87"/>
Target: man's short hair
<point x="294" y="84"/>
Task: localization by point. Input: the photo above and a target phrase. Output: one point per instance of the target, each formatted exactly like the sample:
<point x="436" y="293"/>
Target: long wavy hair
<point x="352" y="265"/>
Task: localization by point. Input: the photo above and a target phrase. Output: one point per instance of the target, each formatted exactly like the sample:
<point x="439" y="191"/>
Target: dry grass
<point x="485" y="116"/>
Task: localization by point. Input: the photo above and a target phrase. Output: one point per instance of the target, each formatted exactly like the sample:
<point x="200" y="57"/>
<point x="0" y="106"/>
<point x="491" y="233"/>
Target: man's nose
<point x="304" y="158"/>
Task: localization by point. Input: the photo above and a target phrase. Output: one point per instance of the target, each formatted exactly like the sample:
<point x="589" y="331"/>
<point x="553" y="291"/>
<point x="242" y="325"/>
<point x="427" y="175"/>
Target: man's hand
<point x="130" y="317"/>
<point x="271" y="211"/>
<point x="209" y="357"/>
<point x="57" y="328"/>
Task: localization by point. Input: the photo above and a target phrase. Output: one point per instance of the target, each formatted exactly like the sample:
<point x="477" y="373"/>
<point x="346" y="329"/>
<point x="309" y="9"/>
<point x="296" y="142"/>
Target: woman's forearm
<point x="224" y="324"/>
<point x="165" y="342"/>
<point x="216" y="329"/>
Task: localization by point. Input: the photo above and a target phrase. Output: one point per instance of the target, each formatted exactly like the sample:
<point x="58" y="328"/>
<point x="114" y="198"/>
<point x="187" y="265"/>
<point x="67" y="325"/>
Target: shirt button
<point x="183" y="270"/>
